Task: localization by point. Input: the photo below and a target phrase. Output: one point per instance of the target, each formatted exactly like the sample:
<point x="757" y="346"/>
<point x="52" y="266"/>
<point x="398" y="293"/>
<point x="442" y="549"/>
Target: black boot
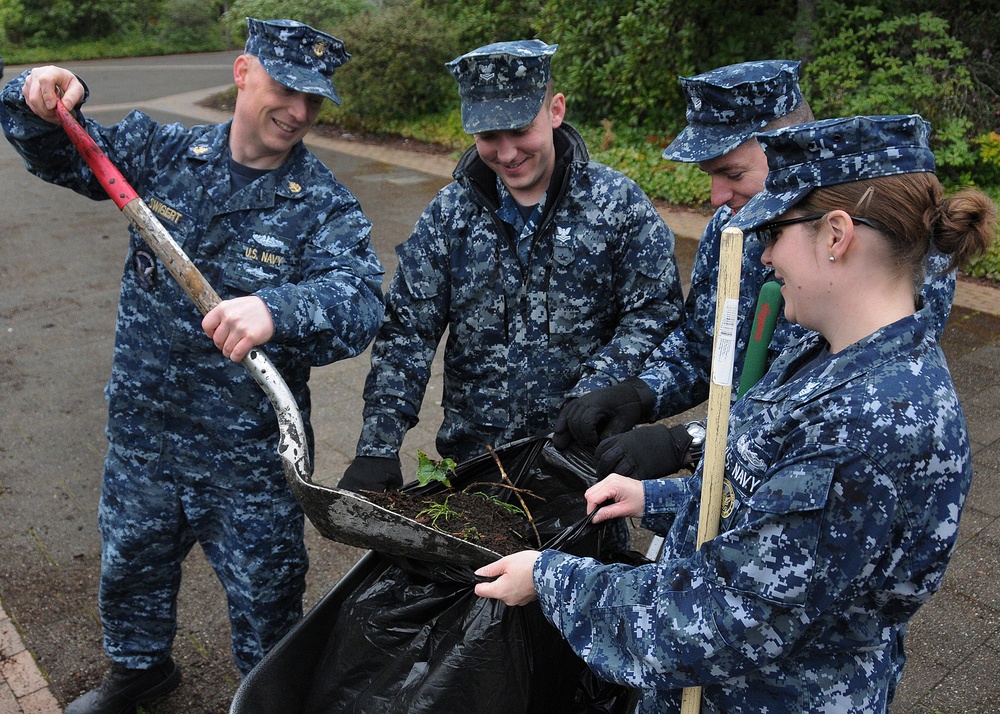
<point x="123" y="688"/>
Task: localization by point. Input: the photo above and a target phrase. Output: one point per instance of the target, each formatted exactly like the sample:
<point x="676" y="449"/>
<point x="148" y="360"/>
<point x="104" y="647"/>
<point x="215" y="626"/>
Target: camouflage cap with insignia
<point x="728" y="105"/>
<point x="834" y="151"/>
<point x="502" y="85"/>
<point x="296" y="55"/>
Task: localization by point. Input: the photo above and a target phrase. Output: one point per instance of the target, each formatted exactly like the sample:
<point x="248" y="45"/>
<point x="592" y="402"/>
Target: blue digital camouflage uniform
<point x="841" y="508"/>
<point x="193" y="439"/>
<point x="596" y="290"/>
<point x="678" y="371"/>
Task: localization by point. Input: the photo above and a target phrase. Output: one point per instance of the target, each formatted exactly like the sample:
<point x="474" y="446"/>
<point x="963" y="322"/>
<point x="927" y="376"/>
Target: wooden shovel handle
<point x="719" y="393"/>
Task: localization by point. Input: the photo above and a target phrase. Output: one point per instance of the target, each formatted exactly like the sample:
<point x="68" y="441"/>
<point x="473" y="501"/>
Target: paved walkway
<point x="954" y="655"/>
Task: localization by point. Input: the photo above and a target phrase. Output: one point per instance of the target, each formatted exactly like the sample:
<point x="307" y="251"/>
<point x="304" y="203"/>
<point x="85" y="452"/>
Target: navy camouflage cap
<point x="728" y="105"/>
<point x="834" y="151"/>
<point x="502" y="85"/>
<point x="296" y="55"/>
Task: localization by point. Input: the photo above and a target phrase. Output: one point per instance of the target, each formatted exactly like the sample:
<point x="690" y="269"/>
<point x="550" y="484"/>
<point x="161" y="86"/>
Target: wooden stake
<point x="719" y="395"/>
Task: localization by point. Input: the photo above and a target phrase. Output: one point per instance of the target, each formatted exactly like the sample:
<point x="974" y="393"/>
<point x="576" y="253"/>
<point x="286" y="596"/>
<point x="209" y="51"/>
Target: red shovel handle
<point x="110" y="177"/>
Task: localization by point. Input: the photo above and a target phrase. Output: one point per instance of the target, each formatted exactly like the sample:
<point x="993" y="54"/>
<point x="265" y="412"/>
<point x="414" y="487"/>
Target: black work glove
<point x="644" y="453"/>
<point x="372" y="473"/>
<point x="603" y="413"/>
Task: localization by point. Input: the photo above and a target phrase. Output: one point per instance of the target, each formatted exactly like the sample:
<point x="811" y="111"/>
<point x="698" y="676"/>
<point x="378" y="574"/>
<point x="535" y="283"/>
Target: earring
<point x="832" y="259"/>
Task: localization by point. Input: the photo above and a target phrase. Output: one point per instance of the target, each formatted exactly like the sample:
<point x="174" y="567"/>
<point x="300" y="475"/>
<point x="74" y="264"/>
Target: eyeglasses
<point x="769" y="231"/>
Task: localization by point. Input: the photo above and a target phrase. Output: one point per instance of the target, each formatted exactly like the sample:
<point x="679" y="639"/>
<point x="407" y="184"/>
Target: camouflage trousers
<point x="151" y="516"/>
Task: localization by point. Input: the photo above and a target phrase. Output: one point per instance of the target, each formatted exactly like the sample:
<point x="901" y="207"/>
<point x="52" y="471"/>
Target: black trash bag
<point x="413" y="636"/>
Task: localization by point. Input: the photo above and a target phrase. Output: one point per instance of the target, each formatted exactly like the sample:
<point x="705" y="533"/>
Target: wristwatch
<point x="696" y="430"/>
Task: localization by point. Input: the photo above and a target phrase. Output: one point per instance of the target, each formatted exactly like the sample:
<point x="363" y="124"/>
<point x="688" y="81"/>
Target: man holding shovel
<point x="193" y="440"/>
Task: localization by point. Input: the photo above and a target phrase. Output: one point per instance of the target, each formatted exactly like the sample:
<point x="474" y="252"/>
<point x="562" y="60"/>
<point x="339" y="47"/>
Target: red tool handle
<point x="110" y="177"/>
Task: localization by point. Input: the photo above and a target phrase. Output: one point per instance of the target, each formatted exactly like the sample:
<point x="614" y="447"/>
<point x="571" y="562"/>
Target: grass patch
<point x="127" y="46"/>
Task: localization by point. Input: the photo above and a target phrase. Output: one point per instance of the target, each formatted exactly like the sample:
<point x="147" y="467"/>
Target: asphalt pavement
<point x="60" y="261"/>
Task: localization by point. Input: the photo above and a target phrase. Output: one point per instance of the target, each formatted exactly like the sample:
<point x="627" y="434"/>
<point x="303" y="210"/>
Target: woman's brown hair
<point x="912" y="214"/>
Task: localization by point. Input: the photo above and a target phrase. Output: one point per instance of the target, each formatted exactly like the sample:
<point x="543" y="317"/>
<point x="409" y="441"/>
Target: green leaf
<point x="429" y="470"/>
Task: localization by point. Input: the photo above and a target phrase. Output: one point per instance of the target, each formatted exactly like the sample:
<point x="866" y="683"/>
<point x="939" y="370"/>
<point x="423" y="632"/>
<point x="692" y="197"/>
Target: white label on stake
<point x="725" y="345"/>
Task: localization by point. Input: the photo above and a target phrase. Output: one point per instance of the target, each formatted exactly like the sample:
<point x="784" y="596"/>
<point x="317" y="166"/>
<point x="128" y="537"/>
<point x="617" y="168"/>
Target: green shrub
<point x="397" y="71"/>
<point x="481" y="22"/>
<point x="613" y="60"/>
<point x="190" y="25"/>
<point x="987" y="265"/>
<point x="868" y="63"/>
<point x="988" y="160"/>
<point x="321" y="14"/>
<point x="133" y="44"/>
<point x="621" y="59"/>
<point x="640" y="157"/>
<point x="46" y="22"/>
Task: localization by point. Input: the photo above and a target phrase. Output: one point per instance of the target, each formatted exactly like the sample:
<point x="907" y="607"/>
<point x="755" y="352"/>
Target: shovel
<point x="338" y="515"/>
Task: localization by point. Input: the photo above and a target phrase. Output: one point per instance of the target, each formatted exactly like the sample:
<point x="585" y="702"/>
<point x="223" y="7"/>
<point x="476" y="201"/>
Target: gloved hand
<point x="603" y="413"/>
<point x="646" y="452"/>
<point x="372" y="473"/>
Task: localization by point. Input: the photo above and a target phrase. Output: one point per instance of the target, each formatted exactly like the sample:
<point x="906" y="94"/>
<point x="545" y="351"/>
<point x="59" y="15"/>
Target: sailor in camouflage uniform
<point x="846" y="465"/>
<point x="725" y="107"/>
<point x="551" y="274"/>
<point x="192" y="439"/>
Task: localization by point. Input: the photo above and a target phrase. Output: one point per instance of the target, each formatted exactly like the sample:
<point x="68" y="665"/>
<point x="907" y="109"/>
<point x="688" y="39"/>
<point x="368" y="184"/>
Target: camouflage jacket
<point x="678" y="371"/>
<point x="844" y="485"/>
<point x="295" y="237"/>
<point x="599" y="290"/>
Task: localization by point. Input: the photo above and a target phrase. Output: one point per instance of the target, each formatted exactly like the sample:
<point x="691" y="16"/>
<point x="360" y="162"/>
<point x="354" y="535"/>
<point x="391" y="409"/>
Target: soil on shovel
<point x="470" y="516"/>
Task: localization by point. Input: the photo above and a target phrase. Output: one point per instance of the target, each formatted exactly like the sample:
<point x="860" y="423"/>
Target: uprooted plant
<point x="471" y="513"/>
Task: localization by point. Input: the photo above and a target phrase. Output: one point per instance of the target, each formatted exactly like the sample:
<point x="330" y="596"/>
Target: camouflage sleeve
<point x="647" y="285"/>
<point x="46" y="149"/>
<point x="666" y="497"/>
<point x="743" y="600"/>
<point x="678" y="369"/>
<point x="416" y="317"/>
<point x="336" y="309"/>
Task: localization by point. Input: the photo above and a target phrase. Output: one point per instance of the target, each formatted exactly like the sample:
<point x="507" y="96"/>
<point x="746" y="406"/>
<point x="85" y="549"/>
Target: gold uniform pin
<point x="728" y="499"/>
<point x="294" y="187"/>
<point x="199" y="150"/>
<point x="319" y="48"/>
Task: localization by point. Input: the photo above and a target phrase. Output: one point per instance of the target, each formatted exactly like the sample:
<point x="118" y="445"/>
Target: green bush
<point x="190" y="25"/>
<point x="639" y="156"/>
<point x="867" y="63"/>
<point x="133" y="44"/>
<point x="988" y="159"/>
<point x="321" y="14"/>
<point x="397" y="71"/>
<point x="481" y="22"/>
<point x="987" y="265"/>
<point x="621" y="59"/>
<point x="45" y="22"/>
<point x="612" y="61"/>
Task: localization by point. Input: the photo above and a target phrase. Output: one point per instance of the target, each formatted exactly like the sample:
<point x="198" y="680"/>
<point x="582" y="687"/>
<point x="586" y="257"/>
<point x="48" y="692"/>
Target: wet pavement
<point x="58" y="292"/>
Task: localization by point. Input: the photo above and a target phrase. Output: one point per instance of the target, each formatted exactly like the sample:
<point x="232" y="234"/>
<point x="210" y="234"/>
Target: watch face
<point x="697" y="432"/>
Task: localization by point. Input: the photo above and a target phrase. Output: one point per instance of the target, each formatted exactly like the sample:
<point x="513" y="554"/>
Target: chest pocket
<point x="773" y="542"/>
<point x="260" y="260"/>
<point x="580" y="292"/>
